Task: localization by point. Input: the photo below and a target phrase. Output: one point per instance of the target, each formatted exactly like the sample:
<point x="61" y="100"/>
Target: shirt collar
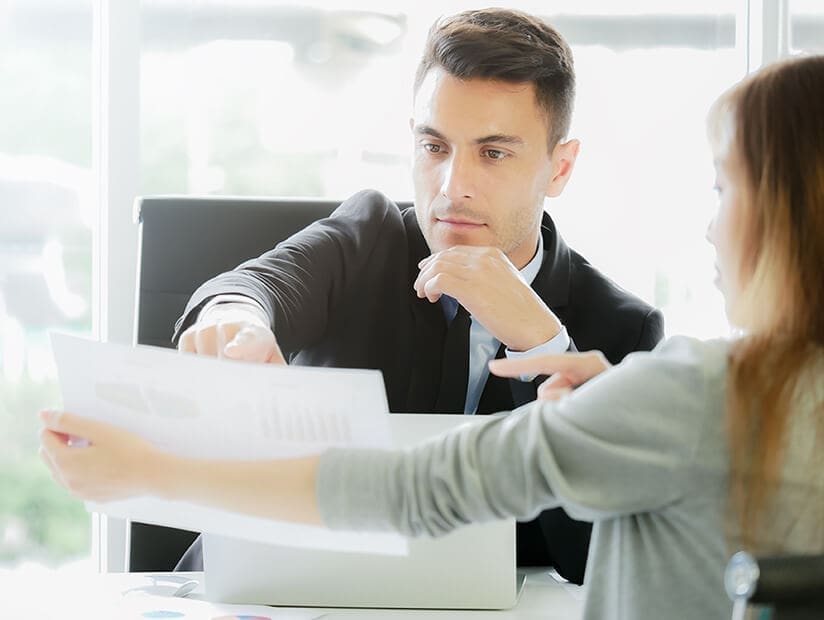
<point x="532" y="268"/>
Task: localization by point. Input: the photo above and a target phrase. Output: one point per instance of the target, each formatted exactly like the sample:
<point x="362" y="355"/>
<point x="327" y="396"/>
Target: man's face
<point x="482" y="166"/>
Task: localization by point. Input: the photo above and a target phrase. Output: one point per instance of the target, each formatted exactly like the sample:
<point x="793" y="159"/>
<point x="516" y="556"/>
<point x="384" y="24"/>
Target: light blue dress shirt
<point x="483" y="346"/>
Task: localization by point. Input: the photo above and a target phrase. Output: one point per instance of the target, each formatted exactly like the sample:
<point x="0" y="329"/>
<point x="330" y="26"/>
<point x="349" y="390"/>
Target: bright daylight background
<point x="261" y="97"/>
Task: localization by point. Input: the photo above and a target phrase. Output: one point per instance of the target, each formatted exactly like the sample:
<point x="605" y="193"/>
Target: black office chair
<point x="184" y="241"/>
<point x="783" y="587"/>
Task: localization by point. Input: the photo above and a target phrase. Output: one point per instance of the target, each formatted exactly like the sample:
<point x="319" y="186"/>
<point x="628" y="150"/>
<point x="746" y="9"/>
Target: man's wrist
<point x="240" y="303"/>
<point x="559" y="343"/>
<point x="538" y="335"/>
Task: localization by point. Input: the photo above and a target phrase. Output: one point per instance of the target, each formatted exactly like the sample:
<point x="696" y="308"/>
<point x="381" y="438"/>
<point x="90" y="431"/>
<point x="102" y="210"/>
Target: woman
<point x="680" y="456"/>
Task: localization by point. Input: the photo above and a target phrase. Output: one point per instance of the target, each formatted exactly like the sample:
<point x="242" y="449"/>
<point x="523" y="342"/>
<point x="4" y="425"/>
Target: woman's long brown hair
<point x="775" y="119"/>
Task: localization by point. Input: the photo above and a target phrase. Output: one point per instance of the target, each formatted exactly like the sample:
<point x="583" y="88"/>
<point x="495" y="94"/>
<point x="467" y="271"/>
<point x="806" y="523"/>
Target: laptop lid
<point x="470" y="568"/>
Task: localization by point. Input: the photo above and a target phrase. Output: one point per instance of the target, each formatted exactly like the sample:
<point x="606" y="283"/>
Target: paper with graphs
<point x="202" y="407"/>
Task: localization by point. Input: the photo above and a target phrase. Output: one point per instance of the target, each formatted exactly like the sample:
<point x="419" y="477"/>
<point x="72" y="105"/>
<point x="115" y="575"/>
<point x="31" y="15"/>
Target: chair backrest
<point x="791" y="587"/>
<point x="184" y="241"/>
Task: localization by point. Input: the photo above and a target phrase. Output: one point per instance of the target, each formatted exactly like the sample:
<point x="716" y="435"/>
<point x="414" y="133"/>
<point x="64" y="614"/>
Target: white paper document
<point x="202" y="407"/>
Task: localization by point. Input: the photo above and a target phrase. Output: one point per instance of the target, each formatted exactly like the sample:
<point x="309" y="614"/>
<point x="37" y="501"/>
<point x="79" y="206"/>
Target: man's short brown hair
<point x="506" y="45"/>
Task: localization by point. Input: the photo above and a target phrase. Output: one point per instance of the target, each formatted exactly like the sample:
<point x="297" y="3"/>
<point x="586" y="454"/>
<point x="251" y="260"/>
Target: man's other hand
<point x="488" y="285"/>
<point x="234" y="331"/>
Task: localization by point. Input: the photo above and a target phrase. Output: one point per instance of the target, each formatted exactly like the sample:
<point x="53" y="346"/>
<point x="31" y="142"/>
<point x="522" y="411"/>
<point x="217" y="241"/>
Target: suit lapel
<point x="552" y="281"/>
<point x="429" y="329"/>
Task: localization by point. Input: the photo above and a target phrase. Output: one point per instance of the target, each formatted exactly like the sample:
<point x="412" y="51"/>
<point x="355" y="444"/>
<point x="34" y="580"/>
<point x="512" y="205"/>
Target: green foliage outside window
<point x="38" y="519"/>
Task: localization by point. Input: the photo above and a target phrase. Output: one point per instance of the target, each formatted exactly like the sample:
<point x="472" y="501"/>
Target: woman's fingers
<point x="546" y="392"/>
<point x="533" y="366"/>
<point x="574" y="368"/>
<point x="71" y="425"/>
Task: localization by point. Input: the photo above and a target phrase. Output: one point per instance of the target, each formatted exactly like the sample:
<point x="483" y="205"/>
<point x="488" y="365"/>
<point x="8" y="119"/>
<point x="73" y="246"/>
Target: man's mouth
<point x="459" y="222"/>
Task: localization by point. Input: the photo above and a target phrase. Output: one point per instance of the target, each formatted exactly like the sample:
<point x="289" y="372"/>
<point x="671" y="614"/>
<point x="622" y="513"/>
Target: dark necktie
<point x="497" y="394"/>
<point x="455" y="365"/>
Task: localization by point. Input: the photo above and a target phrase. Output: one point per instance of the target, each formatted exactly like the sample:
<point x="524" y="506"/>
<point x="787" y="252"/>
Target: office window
<point x="274" y="98"/>
<point x="806" y="26"/>
<point x="46" y="215"/>
<point x="267" y="97"/>
<point x="278" y="99"/>
<point x="640" y="198"/>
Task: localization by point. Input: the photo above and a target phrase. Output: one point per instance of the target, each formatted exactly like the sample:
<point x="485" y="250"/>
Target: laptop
<point x="470" y="568"/>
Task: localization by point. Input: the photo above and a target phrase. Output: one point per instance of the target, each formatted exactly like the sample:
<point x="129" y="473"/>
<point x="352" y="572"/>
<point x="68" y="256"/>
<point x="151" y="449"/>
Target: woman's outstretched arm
<point x="114" y="464"/>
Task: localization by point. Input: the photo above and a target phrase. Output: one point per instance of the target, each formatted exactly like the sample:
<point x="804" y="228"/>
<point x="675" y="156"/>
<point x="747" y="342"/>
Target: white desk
<point x="137" y="595"/>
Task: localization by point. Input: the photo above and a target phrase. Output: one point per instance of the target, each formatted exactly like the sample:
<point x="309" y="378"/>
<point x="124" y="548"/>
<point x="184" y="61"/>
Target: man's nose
<point x="459" y="178"/>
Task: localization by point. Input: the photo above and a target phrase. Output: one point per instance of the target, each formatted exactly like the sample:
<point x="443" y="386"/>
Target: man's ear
<point x="411" y="123"/>
<point x="563" y="161"/>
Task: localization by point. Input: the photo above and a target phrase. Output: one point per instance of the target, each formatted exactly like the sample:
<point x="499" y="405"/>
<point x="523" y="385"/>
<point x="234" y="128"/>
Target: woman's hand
<point x="101" y="462"/>
<point x="567" y="370"/>
<point x="97" y="461"/>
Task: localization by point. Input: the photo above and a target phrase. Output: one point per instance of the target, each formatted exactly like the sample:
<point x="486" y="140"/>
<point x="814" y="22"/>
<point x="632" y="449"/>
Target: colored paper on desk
<point x="203" y="407"/>
<point x="193" y="609"/>
<point x="140" y="607"/>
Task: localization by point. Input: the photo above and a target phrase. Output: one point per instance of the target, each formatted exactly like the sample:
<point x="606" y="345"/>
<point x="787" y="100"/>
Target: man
<point x="475" y="270"/>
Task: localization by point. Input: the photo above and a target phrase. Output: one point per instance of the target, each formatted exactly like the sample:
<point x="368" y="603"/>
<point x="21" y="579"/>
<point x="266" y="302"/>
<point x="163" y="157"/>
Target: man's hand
<point x="232" y="330"/>
<point x="97" y="461"/>
<point x="492" y="290"/>
<point x="568" y="370"/>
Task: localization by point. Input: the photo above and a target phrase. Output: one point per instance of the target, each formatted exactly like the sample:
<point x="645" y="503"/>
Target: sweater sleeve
<point x="620" y="444"/>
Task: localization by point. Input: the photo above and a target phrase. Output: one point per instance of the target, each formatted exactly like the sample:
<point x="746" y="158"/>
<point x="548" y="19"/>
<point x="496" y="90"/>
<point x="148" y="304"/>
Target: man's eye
<point x="432" y="148"/>
<point x="494" y="154"/>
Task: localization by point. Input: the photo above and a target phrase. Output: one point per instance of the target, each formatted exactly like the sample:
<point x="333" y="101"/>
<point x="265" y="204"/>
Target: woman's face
<point x="726" y="230"/>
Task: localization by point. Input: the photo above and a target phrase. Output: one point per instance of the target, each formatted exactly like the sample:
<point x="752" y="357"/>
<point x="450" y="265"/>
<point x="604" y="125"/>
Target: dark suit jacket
<point x="339" y="293"/>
